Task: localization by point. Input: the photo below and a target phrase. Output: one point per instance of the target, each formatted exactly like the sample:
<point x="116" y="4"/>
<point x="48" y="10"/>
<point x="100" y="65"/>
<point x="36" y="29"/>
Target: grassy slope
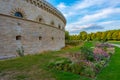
<point x="34" y="68"/>
<point x="112" y="71"/>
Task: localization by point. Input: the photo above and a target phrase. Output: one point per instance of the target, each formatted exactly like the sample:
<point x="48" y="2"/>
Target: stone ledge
<point x="7" y="57"/>
<point x="30" y="21"/>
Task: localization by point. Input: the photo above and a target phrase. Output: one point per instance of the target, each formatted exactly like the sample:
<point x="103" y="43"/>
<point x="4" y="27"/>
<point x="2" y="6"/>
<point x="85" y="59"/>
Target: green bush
<point x="60" y="64"/>
<point x="20" y="51"/>
<point x="89" y="71"/>
<point x="77" y="68"/>
<point x="98" y="66"/>
<point x="73" y="42"/>
<point x="88" y="53"/>
<point x="67" y="65"/>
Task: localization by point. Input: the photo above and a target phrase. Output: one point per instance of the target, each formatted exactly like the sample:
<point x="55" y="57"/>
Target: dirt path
<point x="117" y="45"/>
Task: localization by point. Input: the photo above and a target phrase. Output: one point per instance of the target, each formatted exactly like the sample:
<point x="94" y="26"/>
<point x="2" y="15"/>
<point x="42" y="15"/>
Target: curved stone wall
<point x="38" y="27"/>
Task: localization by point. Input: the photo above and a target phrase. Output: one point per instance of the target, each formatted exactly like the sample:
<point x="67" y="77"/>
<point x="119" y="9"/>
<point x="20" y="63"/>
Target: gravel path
<point x="117" y="45"/>
<point x="7" y="57"/>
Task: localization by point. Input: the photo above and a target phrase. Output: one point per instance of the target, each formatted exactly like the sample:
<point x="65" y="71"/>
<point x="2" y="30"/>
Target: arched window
<point x="40" y="19"/>
<point x="59" y="26"/>
<point x="18" y="14"/>
<point x="18" y="37"/>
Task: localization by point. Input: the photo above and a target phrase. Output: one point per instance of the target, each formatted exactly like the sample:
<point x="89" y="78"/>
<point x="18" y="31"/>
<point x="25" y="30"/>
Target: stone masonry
<point x="37" y="29"/>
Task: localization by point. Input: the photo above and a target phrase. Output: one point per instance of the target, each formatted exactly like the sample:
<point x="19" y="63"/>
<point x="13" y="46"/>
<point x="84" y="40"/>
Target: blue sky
<point x="89" y="15"/>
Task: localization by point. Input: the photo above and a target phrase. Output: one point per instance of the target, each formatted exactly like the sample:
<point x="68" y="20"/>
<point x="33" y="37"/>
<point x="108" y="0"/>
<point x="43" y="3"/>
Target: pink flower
<point x="99" y="53"/>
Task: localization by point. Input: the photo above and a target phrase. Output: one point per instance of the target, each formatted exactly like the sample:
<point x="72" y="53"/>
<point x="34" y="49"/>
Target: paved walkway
<point x="7" y="57"/>
<point x="117" y="45"/>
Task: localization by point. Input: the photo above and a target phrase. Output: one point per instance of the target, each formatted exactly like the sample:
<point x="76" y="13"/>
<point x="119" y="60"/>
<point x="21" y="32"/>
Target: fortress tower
<point x="30" y="25"/>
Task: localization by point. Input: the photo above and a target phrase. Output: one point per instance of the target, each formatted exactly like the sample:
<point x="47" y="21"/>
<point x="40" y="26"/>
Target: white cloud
<point x="88" y="20"/>
<point x="78" y="7"/>
<point x="101" y="14"/>
<point x="103" y="9"/>
<point x="88" y="27"/>
<point x="110" y="22"/>
<point x="87" y="3"/>
<point x="61" y="6"/>
<point x="101" y="26"/>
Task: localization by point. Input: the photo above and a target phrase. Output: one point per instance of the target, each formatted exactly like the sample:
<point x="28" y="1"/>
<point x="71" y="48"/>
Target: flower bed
<point x="107" y="47"/>
<point x="87" y="62"/>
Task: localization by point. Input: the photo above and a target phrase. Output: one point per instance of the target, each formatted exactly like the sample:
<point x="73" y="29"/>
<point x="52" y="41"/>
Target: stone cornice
<point x="30" y="21"/>
<point x="48" y="7"/>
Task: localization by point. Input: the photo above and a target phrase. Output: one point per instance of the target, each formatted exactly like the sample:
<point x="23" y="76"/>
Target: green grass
<point x="34" y="67"/>
<point x="112" y="71"/>
<point x="88" y="44"/>
<point x="115" y="42"/>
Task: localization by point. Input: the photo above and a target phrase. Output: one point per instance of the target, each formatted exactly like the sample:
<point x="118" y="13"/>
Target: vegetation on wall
<point x="20" y="51"/>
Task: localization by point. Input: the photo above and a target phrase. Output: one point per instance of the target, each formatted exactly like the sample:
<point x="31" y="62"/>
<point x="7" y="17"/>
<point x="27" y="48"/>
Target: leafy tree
<point x="88" y="37"/>
<point x="98" y="36"/>
<point x="118" y="35"/>
<point x="83" y="35"/>
<point x="93" y="36"/>
<point x="103" y="37"/>
<point x="109" y="35"/>
<point x="115" y="35"/>
<point x="67" y="36"/>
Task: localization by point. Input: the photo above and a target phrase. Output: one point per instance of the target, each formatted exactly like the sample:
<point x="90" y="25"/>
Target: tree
<point x="98" y="36"/>
<point x="109" y="35"/>
<point x="118" y="36"/>
<point x="115" y="35"/>
<point x="83" y="35"/>
<point x="103" y="36"/>
<point x="67" y="36"/>
<point x="93" y="36"/>
<point x="88" y="37"/>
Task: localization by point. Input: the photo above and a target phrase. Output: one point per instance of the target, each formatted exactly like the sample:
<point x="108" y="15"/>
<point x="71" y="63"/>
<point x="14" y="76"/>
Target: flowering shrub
<point x="111" y="50"/>
<point x="99" y="65"/>
<point x="88" y="54"/>
<point x="102" y="45"/>
<point x="89" y="72"/>
<point x="100" y="54"/>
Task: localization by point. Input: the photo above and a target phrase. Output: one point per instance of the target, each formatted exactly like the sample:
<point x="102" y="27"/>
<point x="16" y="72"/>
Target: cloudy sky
<point x="89" y="15"/>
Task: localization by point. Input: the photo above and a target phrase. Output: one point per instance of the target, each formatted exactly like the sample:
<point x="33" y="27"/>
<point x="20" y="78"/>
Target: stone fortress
<point x="31" y="25"/>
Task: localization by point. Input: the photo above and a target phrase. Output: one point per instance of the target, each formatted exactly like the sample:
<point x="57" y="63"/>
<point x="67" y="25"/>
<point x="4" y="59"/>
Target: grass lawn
<point x="115" y="42"/>
<point x="34" y="67"/>
<point x="112" y="71"/>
